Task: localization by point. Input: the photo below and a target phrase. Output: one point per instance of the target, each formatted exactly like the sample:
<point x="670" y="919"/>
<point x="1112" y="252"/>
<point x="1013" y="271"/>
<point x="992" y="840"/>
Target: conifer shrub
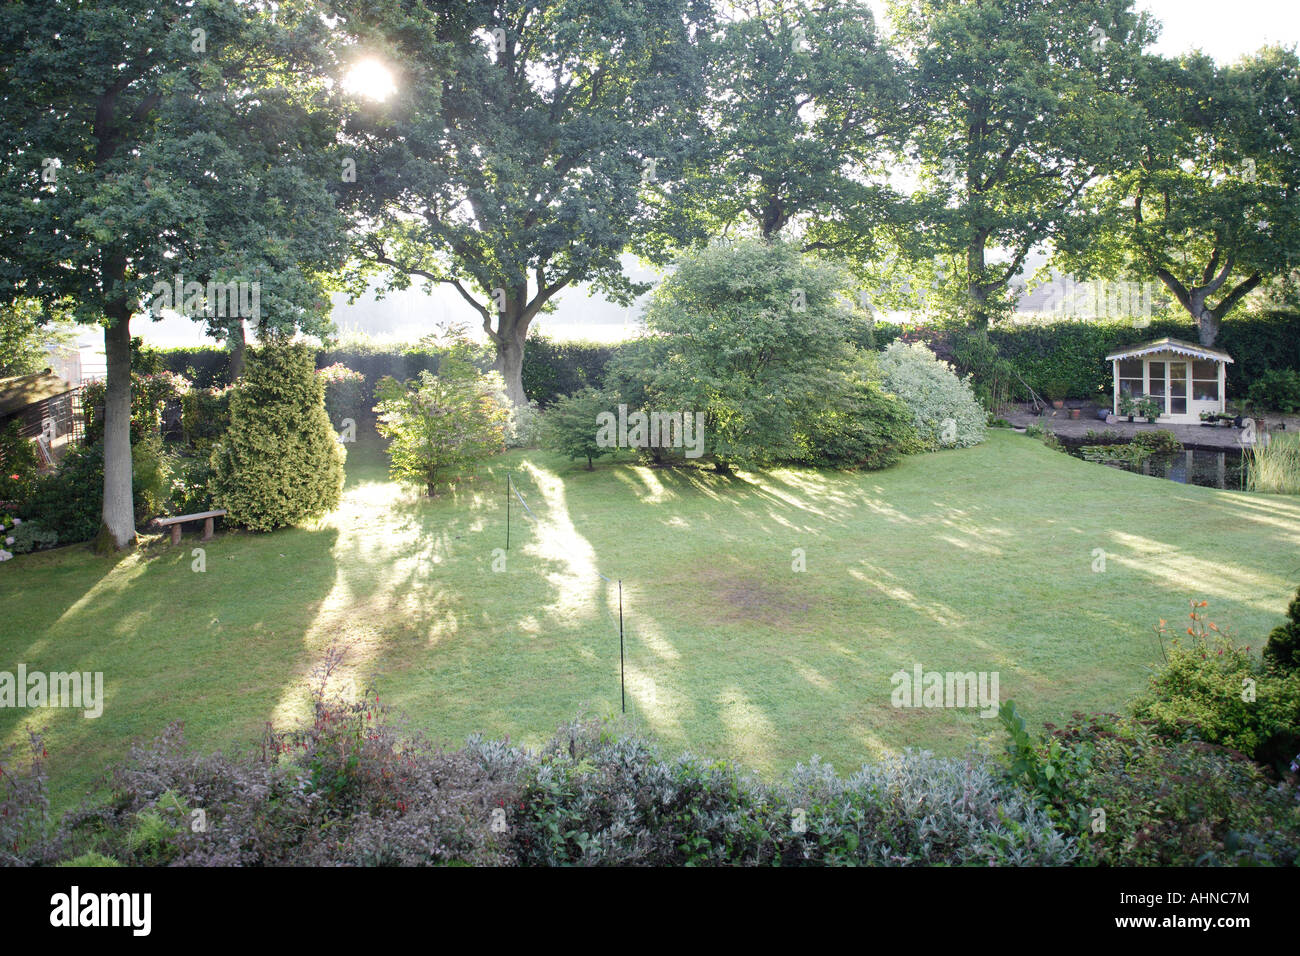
<point x="280" y="462"/>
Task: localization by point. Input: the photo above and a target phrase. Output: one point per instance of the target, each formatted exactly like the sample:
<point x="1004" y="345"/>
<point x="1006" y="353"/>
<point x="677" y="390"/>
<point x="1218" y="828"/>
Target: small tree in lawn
<point x="569" y="426"/>
<point x="280" y="462"/>
<point x="440" y="425"/>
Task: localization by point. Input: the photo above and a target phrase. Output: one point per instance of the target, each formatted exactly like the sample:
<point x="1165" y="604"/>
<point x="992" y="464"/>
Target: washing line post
<point x="622" y="680"/>
<point x="508" y="487"/>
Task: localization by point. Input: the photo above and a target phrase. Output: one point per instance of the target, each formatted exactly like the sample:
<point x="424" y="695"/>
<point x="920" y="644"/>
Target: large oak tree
<point x="1211" y="204"/>
<point x="528" y="145"/>
<point x="1021" y="105"/>
<point x="141" y="141"/>
<point x="806" y="107"/>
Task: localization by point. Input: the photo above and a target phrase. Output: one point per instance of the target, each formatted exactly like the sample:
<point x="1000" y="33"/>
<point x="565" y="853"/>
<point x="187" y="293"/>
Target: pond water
<point x="1213" y="468"/>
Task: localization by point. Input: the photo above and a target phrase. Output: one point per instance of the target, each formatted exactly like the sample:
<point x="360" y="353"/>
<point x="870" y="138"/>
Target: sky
<point x="1223" y="30"/>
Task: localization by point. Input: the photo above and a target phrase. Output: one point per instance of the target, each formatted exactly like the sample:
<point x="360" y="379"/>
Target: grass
<point x="974" y="560"/>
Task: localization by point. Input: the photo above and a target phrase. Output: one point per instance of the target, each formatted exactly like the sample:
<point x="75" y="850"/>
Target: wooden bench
<point x="175" y="523"/>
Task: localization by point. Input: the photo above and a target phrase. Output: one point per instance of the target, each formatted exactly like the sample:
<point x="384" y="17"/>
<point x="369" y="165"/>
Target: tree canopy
<point x="1020" y="105"/>
<point x="528" y="148"/>
<point x="1210" y="205"/>
<point x="150" y="145"/>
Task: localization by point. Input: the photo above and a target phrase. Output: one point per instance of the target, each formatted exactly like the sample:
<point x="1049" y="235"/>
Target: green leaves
<point x="804" y="101"/>
<point x="516" y="172"/>
<point x="440" y="425"/>
<point x="570" y="425"/>
<point x="753" y="336"/>
<point x="210" y="164"/>
<point x="279" y="463"/>
<point x="1018" y="107"/>
<point x="1209" y="205"/>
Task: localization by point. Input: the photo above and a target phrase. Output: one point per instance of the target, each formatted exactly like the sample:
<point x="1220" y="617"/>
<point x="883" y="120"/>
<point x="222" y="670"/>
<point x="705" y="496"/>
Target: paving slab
<point x="1060" y="422"/>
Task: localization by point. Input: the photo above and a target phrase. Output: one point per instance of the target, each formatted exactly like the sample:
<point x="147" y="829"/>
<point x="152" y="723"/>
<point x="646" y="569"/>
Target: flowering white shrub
<point x="946" y="410"/>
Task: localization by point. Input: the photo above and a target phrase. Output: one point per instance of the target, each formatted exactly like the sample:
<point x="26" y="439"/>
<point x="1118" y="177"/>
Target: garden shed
<point x="1184" y="380"/>
<point x="41" y="404"/>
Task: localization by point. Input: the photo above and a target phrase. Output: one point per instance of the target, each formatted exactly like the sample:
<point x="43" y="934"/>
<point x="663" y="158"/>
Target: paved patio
<point x="1060" y="422"/>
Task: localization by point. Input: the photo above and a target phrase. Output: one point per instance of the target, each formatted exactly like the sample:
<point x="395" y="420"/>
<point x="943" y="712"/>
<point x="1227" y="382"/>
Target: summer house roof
<point x="1177" y="346"/>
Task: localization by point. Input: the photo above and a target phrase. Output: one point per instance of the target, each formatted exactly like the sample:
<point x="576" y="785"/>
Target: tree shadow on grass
<point x="204" y="638"/>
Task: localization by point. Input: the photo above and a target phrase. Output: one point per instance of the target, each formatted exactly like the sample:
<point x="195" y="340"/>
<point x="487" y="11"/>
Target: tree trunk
<point x="118" y="529"/>
<point x="237" y="343"/>
<point x="510" y="361"/>
<point x="1207" y="325"/>
<point x="975" y="291"/>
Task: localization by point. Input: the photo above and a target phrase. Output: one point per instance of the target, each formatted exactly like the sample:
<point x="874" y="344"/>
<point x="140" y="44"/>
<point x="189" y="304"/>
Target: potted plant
<point x="1055" y="389"/>
<point x="1127" y="407"/>
<point x="1148" y="408"/>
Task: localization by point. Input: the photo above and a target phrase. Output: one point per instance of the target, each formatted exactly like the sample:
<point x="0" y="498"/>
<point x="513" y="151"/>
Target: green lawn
<point x="973" y="560"/>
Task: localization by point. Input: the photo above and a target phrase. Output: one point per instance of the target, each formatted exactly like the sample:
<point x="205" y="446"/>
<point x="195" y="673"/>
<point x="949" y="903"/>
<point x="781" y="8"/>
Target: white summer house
<point x="1183" y="379"/>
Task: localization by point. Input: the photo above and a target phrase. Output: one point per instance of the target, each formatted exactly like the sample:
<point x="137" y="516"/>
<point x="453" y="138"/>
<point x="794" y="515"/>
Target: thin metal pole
<point x="622" y="680"/>
<point x="507" y="511"/>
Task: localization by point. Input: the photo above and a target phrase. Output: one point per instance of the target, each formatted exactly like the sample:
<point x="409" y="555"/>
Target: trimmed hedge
<point x="551" y="368"/>
<point x="1069" y="355"/>
<point x="1072" y="355"/>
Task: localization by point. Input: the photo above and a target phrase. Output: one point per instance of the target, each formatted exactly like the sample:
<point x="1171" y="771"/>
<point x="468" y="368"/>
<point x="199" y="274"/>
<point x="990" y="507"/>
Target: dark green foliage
<point x="1069" y="358"/>
<point x="992" y="376"/>
<point x="1171" y="802"/>
<point x="280" y="463"/>
<point x="1213" y="689"/>
<point x="1283" y="647"/>
<point x="191" y="488"/>
<point x="752" y="336"/>
<point x="1050" y="771"/>
<point x="27" y="536"/>
<point x="1277" y="390"/>
<point x="863" y="427"/>
<point x="205" y="366"/>
<point x="1073" y="352"/>
<point x="569" y="426"/>
<point x="345" y="393"/>
<point x="553" y="369"/>
<point x="152" y="465"/>
<point x="205" y="415"/>
<point x="18" y="462"/>
<point x="68" y="501"/>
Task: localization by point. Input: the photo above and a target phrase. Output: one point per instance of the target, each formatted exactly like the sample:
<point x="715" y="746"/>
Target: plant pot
<point x="1074" y="413"/>
<point x="1058" y="403"/>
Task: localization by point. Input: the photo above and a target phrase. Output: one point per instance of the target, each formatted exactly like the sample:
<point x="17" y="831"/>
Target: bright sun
<point x="371" y="79"/>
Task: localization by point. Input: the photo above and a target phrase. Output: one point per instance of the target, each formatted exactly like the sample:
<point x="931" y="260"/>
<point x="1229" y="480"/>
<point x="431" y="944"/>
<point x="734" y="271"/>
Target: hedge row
<point x="1070" y="357"/>
<point x="1063" y="357"/>
<point x="551" y="369"/>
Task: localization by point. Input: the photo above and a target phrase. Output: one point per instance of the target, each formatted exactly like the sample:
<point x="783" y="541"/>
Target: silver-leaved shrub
<point x="944" y="405"/>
